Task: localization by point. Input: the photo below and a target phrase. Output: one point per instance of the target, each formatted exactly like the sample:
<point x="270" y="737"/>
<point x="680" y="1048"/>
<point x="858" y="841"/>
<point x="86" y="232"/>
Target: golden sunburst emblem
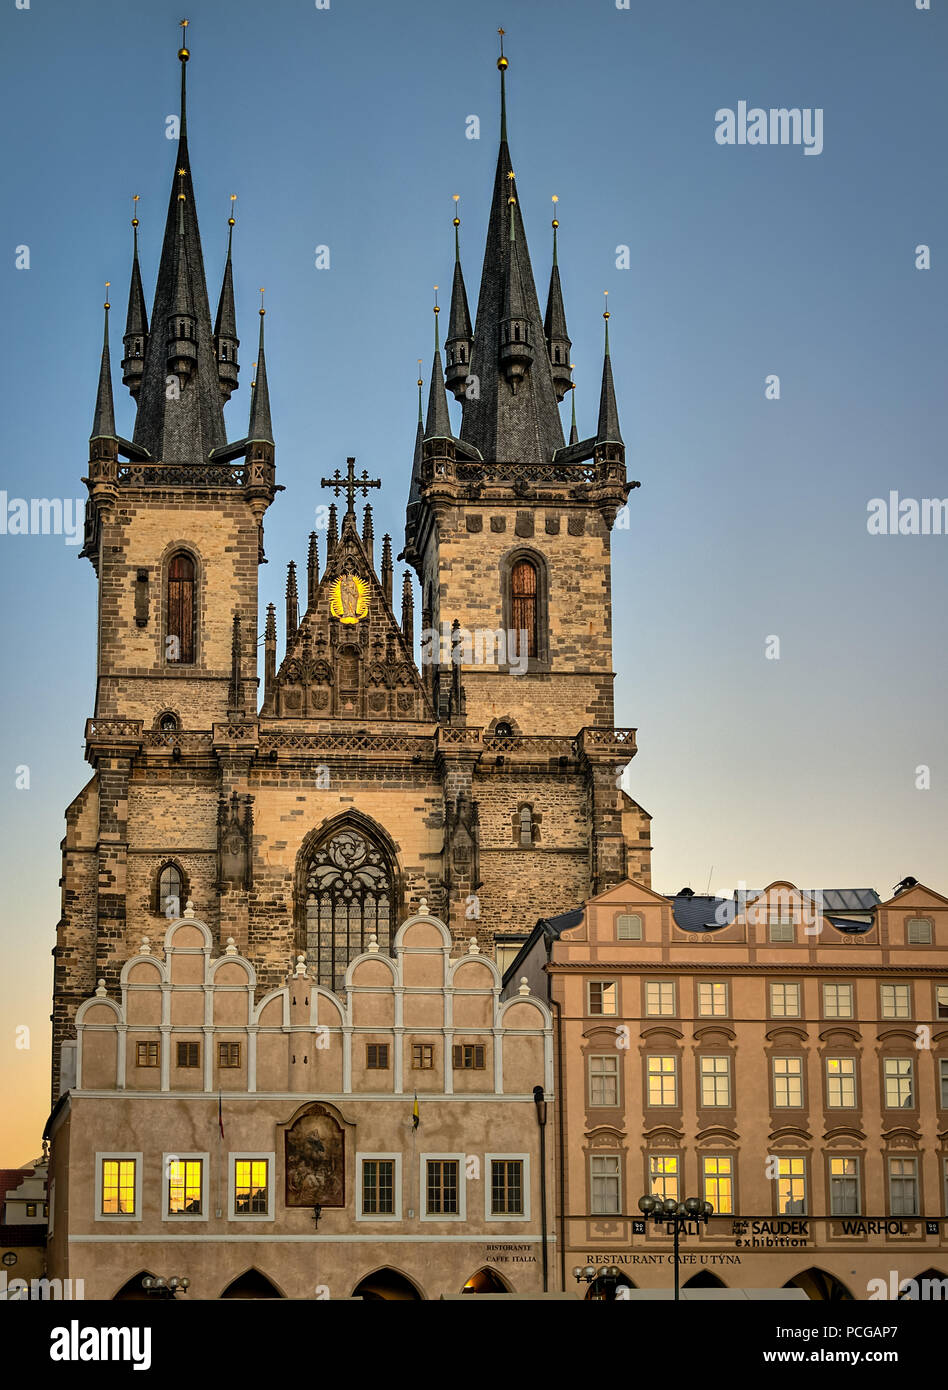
<point x="349" y="599"/>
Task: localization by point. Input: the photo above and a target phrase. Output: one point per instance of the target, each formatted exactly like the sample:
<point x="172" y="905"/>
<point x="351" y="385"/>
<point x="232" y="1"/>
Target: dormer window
<point x="516" y="333"/>
<point x="224" y="352"/>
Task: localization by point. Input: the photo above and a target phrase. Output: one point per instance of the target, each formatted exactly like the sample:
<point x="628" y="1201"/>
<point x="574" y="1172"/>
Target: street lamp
<point x="669" y="1211"/>
<point x="165" y="1288"/>
<point x="607" y="1275"/>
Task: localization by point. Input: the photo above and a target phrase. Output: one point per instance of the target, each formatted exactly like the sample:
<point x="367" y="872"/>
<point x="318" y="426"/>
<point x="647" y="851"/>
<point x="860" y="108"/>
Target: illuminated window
<point x="837" y="1001"/>
<point x="118" y="1186"/>
<point x="251" y="1186"/>
<point x="660" y="997"/>
<point x="791" y="1187"/>
<point x="663" y="1175"/>
<point x="712" y="998"/>
<point x="185" y="1180"/>
<point x="718" y="1178"/>
<point x="899" y="1083"/>
<point x="784" y="1001"/>
<point x="602" y="997"/>
<point x="662" y="1080"/>
<point x="896" y="1001"/>
<point x="844" y="1187"/>
<point x="841" y="1083"/>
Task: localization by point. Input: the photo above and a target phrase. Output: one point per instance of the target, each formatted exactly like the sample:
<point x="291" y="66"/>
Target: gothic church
<point x="372" y="770"/>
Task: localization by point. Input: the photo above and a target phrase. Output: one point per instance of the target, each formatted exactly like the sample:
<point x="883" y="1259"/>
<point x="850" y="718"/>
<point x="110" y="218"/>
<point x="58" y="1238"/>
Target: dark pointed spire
<point x="408" y="611"/>
<point x="554" y="324"/>
<point x="236" y="702"/>
<point x="260" y="430"/>
<point x="457" y="346"/>
<point x="332" y="536"/>
<point x="521" y="427"/>
<point x="387" y="568"/>
<point x="226" y="341"/>
<point x="573" y="431"/>
<point x="312" y="570"/>
<point x="136" y="320"/>
<point x="608" y="430"/>
<point x="103" y="423"/>
<point x="368" y="535"/>
<point x="438" y="423"/>
<point x="183" y="424"/>
<point x="269" y="652"/>
<point x="292" y="601"/>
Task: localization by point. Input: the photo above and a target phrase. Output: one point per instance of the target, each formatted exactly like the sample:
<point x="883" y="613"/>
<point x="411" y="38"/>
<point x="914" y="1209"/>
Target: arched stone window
<point x="170" y="890"/>
<point x="523" y="604"/>
<point x="179" y="631"/>
<point x="349" y="897"/>
<point x="526" y="825"/>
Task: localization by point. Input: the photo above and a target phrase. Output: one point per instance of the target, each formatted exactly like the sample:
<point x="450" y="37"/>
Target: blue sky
<point x="346" y="127"/>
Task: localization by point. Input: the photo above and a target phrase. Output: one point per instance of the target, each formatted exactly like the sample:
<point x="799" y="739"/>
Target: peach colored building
<point x="785" y="1058"/>
<point x="270" y="1149"/>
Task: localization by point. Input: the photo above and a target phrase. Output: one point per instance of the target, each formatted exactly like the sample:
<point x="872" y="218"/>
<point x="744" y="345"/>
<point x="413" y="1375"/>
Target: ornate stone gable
<point x="348" y="659"/>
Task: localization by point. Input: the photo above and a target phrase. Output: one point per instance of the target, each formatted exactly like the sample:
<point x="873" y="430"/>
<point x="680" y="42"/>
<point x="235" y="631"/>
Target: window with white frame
<point x="629" y="926"/>
<point x="898" y="1074"/>
<point x="604" y="1183"/>
<point x="507" y="1189"/>
<point x="903" y="1187"/>
<point x="844" y="1186"/>
<point x="788" y="1082"/>
<point x="185" y="1186"/>
<point x="784" y="1000"/>
<point x="379" y="1186"/>
<point x="896" y="1001"/>
<point x="712" y="998"/>
<point x="602" y="997"/>
<point x="659" y="997"/>
<point x="840" y="1083"/>
<point x="663" y="1175"/>
<point x="791" y="1186"/>
<point x="118" y="1184"/>
<point x="444" y="1191"/>
<point x="715" y="1080"/>
<point x="251" y="1187"/>
<point x="837" y="1001"/>
<point x="604" y="1080"/>
<point x="662" y="1080"/>
<point x="717" y="1176"/>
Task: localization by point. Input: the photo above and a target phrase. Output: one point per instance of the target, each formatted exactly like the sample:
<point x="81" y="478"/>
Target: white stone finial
<point x="145" y="948"/>
<point x="231" y="948"/>
<point x="373" y="944"/>
<point x="472" y="947"/>
<point x="189" y="908"/>
<point x="300" y="967"/>
<point x="524" y="986"/>
<point x="100" y="989"/>
<point x="423" y="908"/>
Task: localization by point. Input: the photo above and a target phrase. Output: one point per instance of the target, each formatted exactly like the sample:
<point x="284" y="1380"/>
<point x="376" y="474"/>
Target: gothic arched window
<point x="526" y="825"/>
<point x="349" y="898"/>
<point x="170" y="891"/>
<point x="179" y="638"/>
<point x="523" y="607"/>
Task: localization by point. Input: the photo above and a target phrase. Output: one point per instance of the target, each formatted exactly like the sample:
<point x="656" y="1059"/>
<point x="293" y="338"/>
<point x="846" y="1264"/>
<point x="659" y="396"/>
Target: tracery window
<point x="349" y="893"/>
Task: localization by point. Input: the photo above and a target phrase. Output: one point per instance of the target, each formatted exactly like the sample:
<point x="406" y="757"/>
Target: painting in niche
<point x="315" y="1153"/>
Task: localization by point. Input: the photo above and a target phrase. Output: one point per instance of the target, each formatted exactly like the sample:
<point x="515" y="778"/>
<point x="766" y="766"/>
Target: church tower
<point x="508" y="525"/>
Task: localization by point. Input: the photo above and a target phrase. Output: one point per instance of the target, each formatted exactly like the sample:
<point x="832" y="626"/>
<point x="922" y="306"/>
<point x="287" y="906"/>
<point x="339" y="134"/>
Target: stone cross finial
<point x="473" y="948"/>
<point x="300" y="967"/>
<point x="100" y="989"/>
<point x="524" y="986"/>
<point x="145" y="948"/>
<point x="189" y="908"/>
<point x="231" y="947"/>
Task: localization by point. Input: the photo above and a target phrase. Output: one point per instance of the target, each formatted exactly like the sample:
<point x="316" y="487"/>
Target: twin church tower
<point x="373" y="769"/>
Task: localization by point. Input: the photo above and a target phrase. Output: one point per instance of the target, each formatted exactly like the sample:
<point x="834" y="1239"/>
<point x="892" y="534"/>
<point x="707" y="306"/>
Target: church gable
<point x="348" y="659"/>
